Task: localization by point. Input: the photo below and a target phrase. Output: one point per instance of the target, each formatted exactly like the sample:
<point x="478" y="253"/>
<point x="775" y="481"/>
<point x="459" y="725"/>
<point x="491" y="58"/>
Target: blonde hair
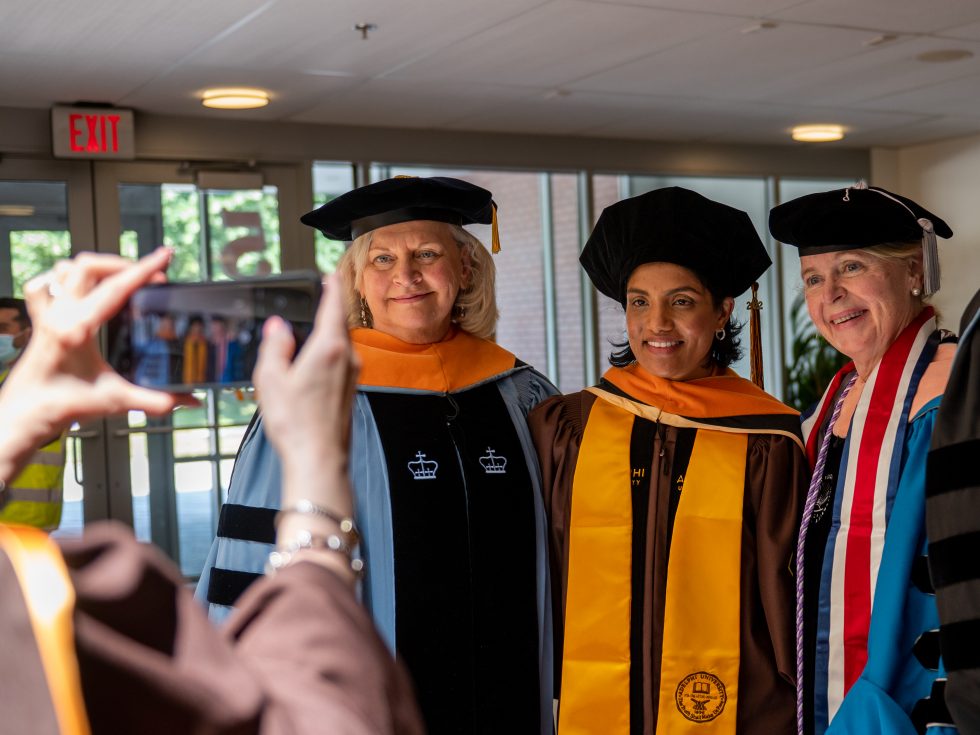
<point x="909" y="253"/>
<point x="475" y="310"/>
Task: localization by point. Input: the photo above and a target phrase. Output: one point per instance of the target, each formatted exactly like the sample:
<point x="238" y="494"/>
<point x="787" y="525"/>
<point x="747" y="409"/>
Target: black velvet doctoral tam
<point x="674" y="225"/>
<point x="847" y="219"/>
<point x="402" y="199"/>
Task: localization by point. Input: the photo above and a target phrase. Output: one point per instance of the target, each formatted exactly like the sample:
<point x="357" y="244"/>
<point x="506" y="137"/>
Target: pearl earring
<point x="916" y="292"/>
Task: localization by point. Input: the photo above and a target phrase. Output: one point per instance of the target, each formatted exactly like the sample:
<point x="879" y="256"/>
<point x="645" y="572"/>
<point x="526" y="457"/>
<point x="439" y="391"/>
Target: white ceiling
<point x="669" y="70"/>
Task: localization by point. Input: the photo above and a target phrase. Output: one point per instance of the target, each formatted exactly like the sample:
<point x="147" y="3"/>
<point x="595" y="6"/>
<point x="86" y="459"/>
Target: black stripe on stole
<point x="641" y="467"/>
<point x="464" y="553"/>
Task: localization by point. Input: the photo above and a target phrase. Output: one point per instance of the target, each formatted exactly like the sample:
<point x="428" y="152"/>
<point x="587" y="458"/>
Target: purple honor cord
<point x="811" y="501"/>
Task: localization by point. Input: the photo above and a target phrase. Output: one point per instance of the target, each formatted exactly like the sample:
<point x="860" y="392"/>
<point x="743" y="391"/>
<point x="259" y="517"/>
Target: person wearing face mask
<point x="36" y="493"/>
<point x="673" y="489"/>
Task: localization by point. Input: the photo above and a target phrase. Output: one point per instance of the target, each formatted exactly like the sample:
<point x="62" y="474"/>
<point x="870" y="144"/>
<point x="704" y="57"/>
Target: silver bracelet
<point x="307" y="540"/>
<point x="309" y="508"/>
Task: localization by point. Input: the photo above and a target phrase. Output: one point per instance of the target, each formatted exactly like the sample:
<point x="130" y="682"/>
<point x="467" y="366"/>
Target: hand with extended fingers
<point x="61" y="376"/>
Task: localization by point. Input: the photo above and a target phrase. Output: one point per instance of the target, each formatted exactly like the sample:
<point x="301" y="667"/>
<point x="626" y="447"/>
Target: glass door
<point x="46" y="215"/>
<point x="170" y="474"/>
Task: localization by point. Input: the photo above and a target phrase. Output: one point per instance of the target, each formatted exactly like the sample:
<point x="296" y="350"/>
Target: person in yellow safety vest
<point x="36" y="494"/>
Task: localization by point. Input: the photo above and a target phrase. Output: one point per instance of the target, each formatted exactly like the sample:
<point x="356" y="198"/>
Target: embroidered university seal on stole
<point x="701" y="696"/>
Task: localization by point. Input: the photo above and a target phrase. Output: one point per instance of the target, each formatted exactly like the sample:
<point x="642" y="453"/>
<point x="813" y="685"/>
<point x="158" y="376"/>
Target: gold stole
<point x="699" y="668"/>
<point x="50" y="599"/>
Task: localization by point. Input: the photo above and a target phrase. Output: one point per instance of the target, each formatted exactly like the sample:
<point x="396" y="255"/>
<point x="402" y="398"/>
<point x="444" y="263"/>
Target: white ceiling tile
<point x="916" y="133"/>
<point x="956" y="97"/>
<point x="118" y="31"/>
<point x="970" y="32"/>
<point x="746" y="8"/>
<point x="40" y="80"/>
<point x="904" y="16"/>
<point x="729" y="64"/>
<point x="391" y="103"/>
<point x="576" y="114"/>
<point x="877" y="72"/>
<point x="677" y="70"/>
<point x="562" y="41"/>
<point x="313" y="35"/>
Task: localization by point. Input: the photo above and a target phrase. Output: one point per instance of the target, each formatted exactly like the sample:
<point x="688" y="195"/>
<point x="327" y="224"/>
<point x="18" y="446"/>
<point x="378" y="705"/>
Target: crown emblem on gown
<point x="422" y="468"/>
<point x="492" y="464"/>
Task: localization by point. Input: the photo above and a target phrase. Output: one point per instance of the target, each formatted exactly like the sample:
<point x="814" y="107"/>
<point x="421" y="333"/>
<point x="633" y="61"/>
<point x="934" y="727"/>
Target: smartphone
<point x="181" y="336"/>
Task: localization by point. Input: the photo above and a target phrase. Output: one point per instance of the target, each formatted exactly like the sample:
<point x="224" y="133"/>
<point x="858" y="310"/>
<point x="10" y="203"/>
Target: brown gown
<point x="300" y="655"/>
<point x="776" y="480"/>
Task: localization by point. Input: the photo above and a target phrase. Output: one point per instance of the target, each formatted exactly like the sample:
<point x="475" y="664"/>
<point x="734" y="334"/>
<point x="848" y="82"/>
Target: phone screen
<point x="181" y="336"/>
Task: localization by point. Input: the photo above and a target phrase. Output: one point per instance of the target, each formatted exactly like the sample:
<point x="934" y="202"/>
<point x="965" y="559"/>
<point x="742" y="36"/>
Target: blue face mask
<point x="8" y="353"/>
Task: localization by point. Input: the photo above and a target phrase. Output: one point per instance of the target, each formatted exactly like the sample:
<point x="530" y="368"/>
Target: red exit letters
<point x="93" y="133"/>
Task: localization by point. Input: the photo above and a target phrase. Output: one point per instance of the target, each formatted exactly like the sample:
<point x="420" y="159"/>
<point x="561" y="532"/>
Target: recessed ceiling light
<point x="818" y="133"/>
<point x="16" y="210"/>
<point x="235" y="98"/>
<point x="945" y="56"/>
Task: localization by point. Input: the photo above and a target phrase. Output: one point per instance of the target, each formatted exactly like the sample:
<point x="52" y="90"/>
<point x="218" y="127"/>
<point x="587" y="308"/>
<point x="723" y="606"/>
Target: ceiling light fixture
<point x="235" y="98"/>
<point x="945" y="56"/>
<point x="822" y="133"/>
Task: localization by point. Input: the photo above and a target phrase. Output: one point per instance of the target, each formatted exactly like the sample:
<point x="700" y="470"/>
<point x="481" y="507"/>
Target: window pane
<point x="34" y="226"/>
<point x="195" y="485"/>
<point x="608" y="190"/>
<point x="330" y="180"/>
<point x="568" y="282"/>
<point x="243" y="233"/>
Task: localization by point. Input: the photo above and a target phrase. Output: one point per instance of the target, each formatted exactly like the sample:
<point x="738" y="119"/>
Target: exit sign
<point x="92" y="132"/>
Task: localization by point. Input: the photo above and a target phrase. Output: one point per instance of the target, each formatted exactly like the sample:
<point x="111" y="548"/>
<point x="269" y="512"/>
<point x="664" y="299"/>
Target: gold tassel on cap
<point x="494" y="232"/>
<point x="755" y="336"/>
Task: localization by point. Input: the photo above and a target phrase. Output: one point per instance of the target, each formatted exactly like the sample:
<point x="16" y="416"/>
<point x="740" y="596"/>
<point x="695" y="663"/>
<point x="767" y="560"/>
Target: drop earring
<point x="364" y="321"/>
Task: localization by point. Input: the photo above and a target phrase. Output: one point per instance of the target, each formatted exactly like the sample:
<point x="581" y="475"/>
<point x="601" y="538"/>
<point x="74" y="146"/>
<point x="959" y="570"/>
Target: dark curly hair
<point x="723" y="353"/>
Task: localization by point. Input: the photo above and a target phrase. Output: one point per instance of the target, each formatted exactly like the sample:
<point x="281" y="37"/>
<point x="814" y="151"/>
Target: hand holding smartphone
<point x="181" y="336"/>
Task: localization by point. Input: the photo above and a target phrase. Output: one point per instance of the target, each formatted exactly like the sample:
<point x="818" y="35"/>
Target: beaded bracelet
<point x="307" y="540"/>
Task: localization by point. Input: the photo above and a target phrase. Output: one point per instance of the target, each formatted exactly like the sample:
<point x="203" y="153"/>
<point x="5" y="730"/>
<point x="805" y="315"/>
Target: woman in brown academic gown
<point x="673" y="489"/>
<point x="102" y="635"/>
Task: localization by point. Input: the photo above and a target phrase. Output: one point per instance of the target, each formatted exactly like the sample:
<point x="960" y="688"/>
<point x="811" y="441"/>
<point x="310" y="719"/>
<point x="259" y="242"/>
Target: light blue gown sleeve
<point x="255" y="482"/>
